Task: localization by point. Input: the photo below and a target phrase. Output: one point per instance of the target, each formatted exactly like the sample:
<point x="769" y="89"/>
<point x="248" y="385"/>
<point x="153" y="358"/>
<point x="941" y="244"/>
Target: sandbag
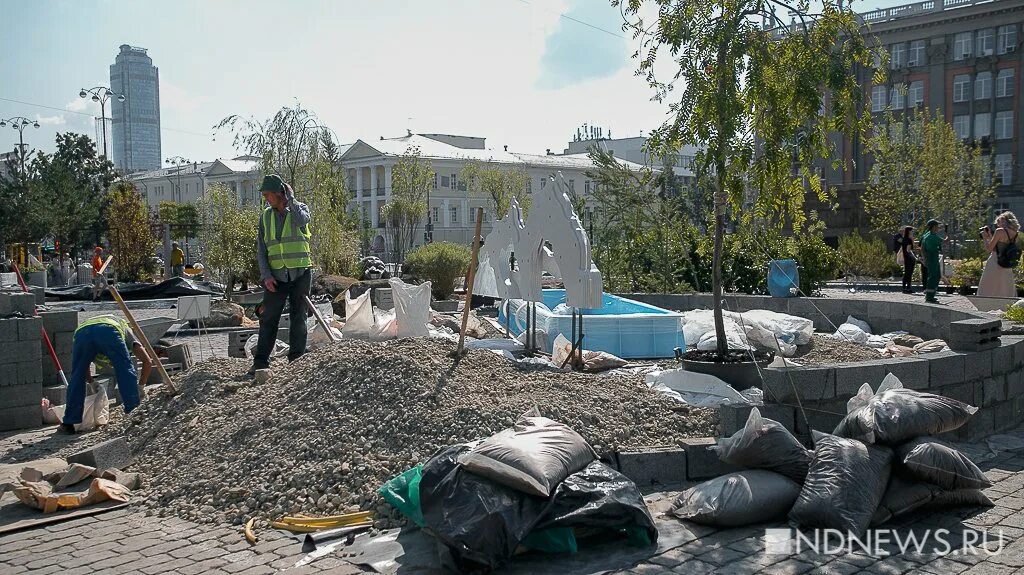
<point x="533" y="456"/>
<point x="845" y="483"/>
<point x="894" y="414"/>
<point x="412" y="308"/>
<point x="904" y="496"/>
<point x="737" y="499"/>
<point x="358" y="316"/>
<point x="96" y="411"/>
<point x="765" y="444"/>
<point x="930" y="460"/>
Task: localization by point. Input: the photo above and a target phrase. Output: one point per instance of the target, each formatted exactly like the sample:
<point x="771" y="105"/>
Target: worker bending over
<point x="104" y="338"/>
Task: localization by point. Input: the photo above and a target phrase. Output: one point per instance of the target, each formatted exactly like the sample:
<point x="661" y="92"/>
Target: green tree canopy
<point x="228" y="234"/>
<point x="131" y="237"/>
<point x="498" y="184"/>
<point x="411" y="179"/>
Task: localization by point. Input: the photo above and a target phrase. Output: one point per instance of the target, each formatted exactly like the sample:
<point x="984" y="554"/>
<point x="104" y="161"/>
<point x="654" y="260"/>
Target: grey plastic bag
<point x="844" y="485"/>
<point x="765" y="444"/>
<point x="736" y="499"/>
<point x="930" y="460"/>
<point x="893" y="414"/>
<point x="904" y="496"/>
<point x="534" y="456"/>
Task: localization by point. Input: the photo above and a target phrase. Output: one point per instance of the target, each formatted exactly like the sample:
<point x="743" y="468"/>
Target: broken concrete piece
<point x="102" y="489"/>
<point x="11" y="474"/>
<point x="111" y="454"/>
<point x="129" y="480"/>
<point x="77" y="472"/>
<point x="262" y="376"/>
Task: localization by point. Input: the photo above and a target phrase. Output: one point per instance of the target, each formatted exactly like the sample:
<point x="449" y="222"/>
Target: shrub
<point x="864" y="257"/>
<point x="967" y="273"/>
<point x="442" y="263"/>
<point x="1014" y="314"/>
<point x="818" y="262"/>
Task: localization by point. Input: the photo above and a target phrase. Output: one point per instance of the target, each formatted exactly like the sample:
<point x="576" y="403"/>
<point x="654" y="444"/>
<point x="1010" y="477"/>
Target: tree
<point x="411" y="178"/>
<point x="228" y="234"/>
<point x="497" y="184"/>
<point x="19" y="217"/>
<point x="334" y="245"/>
<point x="131" y="237"/>
<point x="739" y="81"/>
<point x="922" y="170"/>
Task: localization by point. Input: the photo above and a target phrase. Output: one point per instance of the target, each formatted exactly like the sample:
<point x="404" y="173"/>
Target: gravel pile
<point x="825" y="350"/>
<point x="325" y="432"/>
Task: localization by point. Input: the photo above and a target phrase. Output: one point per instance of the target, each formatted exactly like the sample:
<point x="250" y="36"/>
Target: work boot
<point x="252" y="370"/>
<point x="66" y="429"/>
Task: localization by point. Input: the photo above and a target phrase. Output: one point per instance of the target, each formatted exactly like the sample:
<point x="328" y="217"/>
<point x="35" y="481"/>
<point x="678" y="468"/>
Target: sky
<point x="521" y="73"/>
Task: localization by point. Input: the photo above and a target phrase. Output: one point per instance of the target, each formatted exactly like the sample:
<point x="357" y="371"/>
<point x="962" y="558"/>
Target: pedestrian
<point x="997" y="280"/>
<point x="97" y="260"/>
<point x="105" y="339"/>
<point x="282" y="251"/>
<point x="931" y="243"/>
<point x="177" y="261"/>
<point x="906" y="252"/>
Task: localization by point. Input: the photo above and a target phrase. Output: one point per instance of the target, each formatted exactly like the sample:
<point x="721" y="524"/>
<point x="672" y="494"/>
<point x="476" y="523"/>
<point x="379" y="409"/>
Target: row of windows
<point x="983" y="126"/>
<point x="985" y="42"/>
<point x="900" y="96"/>
<point x="983" y="85"/>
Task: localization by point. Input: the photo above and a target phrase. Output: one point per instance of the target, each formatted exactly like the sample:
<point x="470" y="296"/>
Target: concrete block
<point x="858" y="308"/>
<point x="824" y="416"/>
<point x="1015" y="384"/>
<point x="969" y="392"/>
<point x="8" y="330"/>
<point x="31" y="371"/>
<point x="659" y="468"/>
<point x="1018" y="350"/>
<point x="17" y="302"/>
<point x="56" y="394"/>
<point x="969" y="346"/>
<point x="732" y="418"/>
<point x="981" y="425"/>
<point x="1002" y="359"/>
<point x="975" y="325"/>
<point x="946" y="367"/>
<point x="993" y="390"/>
<point x="26" y="417"/>
<point x="111" y="454"/>
<point x="802" y="307"/>
<point x="913" y="372"/>
<point x="59" y="321"/>
<point x="23" y="395"/>
<point x="30" y="329"/>
<point x="811" y="383"/>
<point x="977" y="365"/>
<point x="1008" y="415"/>
<point x="900" y="311"/>
<point x="63" y="341"/>
<point x="878" y="311"/>
<point x="19" y="351"/>
<point x="850" y="376"/>
<point x="702" y="463"/>
<point x="9" y="374"/>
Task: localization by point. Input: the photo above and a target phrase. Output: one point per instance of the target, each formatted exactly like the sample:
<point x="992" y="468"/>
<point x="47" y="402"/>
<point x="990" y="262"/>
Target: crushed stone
<point x="826" y="350"/>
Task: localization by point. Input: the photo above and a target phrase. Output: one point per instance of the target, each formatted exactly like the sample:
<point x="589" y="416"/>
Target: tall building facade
<point x="136" y="121"/>
<point x="961" y="57"/>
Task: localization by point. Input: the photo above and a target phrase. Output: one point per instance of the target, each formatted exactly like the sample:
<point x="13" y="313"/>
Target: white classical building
<point x="187" y="183"/>
<point x="633" y="150"/>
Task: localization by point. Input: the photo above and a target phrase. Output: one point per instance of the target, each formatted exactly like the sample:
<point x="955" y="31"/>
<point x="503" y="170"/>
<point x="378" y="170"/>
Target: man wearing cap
<point x="931" y="243"/>
<point x="282" y="250"/>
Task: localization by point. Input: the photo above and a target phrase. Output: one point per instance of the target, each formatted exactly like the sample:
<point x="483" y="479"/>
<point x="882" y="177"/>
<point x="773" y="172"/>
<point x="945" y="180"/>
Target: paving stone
<point x="113" y="453"/>
<point x="788" y="567"/>
<point x="671" y="558"/>
<point x="171" y="566"/>
<point x="696" y="567"/>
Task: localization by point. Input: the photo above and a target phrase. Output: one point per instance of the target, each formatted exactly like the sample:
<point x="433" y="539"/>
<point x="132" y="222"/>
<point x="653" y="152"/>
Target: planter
<point x="36" y="279"/>
<point x="737" y="369"/>
<point x="448" y="305"/>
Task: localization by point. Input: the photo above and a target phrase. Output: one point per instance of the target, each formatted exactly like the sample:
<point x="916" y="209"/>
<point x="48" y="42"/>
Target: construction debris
<point x="327" y="430"/>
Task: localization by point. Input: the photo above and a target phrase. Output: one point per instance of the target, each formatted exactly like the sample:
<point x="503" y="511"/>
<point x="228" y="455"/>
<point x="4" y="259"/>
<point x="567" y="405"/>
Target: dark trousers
<point x="293" y="292"/>
<point x="89" y="342"/>
<point x="924" y="276"/>
<point x="909" y="261"/>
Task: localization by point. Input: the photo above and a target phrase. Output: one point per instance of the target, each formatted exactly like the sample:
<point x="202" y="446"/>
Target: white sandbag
<point x="765" y="444"/>
<point x="280" y="348"/>
<point x="386" y="326"/>
<point x="534" y="456"/>
<point x="877" y="342"/>
<point x="737" y="499"/>
<point x="358" y="316"/>
<point x="696" y="389"/>
<point x="592" y="360"/>
<point x="851" y="332"/>
<point x="96" y="411"/>
<point x="863" y="325"/>
<point x="412" y="308"/>
<point x="762" y="329"/>
<point x="495" y="344"/>
<point x="734" y="340"/>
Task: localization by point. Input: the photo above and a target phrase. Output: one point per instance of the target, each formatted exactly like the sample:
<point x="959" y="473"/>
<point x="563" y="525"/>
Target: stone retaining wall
<point x="992" y="379"/>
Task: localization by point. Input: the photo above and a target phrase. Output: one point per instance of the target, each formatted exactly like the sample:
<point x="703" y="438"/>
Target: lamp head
<point x="36" y="124"/>
<point x="120" y="97"/>
<point x="95" y="98"/>
<point x="3" y="123"/>
<point x="82" y="94"/>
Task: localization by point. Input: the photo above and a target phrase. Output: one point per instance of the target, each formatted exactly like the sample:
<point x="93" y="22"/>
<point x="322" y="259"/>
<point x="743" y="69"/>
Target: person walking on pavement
<point x="177" y="261"/>
<point x="931" y="243"/>
<point x="906" y="252"/>
<point x="105" y="339"/>
<point x="282" y="250"/>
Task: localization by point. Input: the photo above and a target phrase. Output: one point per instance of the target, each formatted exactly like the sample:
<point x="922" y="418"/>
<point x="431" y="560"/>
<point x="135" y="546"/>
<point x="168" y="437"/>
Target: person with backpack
<point x="903" y="245"/>
<point x="998" y="279"/>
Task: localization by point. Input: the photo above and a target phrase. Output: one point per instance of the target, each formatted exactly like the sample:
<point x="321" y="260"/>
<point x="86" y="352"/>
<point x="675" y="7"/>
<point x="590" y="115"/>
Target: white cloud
<point x="56" y="120"/>
<point x="178" y="99"/>
<point x="77" y="105"/>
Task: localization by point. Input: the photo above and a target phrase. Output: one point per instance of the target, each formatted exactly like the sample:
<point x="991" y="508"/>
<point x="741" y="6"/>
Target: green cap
<point x="932" y="222"/>
<point x="272" y="183"/>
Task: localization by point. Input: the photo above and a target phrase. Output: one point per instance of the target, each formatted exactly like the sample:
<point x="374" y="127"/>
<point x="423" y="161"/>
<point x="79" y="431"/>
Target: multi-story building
<point x="186" y="184"/>
<point x="958" y="56"/>
<point x="634" y="150"/>
<point x="9" y="162"/>
<point x="136" y="121"/>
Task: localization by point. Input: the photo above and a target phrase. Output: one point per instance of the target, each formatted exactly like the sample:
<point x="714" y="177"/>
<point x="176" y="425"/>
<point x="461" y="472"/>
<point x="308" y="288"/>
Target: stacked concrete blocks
<point x="21" y="379"/>
<point x="974" y="334"/>
<point x="60" y="326"/>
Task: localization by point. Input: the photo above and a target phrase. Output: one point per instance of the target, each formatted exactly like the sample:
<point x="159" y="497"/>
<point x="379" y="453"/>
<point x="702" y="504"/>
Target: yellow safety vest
<point x="291" y="249"/>
<point x="120" y="325"/>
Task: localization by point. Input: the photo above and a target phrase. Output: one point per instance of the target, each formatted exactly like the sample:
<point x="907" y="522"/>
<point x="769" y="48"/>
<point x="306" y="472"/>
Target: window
<point x="445" y="181"/>
<point x="986" y="42"/>
<point x="983" y="86"/>
<point x="1004" y="83"/>
<point x="1004" y="125"/>
<point x="586" y="187"/>
<point x="897" y="55"/>
<point x="962" y="46"/>
<point x="1004" y="168"/>
<point x="472" y="215"/>
<point x="435" y="180"/>
<point x="961" y="87"/>
<point x="896" y="101"/>
<point x="453" y="213"/>
<point x="915" y="95"/>
<point x="454" y="180"/>
<point x="916" y="55"/>
<point x="543" y="183"/>
<point x="982" y="125"/>
<point x="436" y="214"/>
<point x="876" y="59"/>
<point x="572" y="185"/>
<point x="962" y="126"/>
<point x="486" y="217"/>
<point x="529" y="186"/>
<point x="878" y="98"/>
<point x="1007" y="39"/>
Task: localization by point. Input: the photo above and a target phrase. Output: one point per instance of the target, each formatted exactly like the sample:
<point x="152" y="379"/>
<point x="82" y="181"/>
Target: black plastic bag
<point x="929" y="460"/>
<point x="905" y="495"/>
<point x="844" y="485"/>
<point x="765" y="444"/>
<point x="738" y="499"/>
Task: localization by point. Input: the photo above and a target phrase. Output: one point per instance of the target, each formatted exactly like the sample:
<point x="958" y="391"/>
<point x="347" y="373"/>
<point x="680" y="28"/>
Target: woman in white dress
<point x="997" y="281"/>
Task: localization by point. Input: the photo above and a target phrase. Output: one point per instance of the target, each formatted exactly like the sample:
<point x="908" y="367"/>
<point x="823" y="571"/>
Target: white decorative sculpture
<point x="551" y="221"/>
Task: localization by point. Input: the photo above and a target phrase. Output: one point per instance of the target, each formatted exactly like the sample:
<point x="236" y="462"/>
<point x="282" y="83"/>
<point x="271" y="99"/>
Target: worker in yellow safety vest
<point x="104" y="339"/>
<point x="282" y="250"/>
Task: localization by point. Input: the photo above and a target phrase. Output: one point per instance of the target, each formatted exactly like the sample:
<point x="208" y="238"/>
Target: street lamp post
<point x="19" y="123"/>
<point x="178" y="162"/>
<point x="101" y="94"/>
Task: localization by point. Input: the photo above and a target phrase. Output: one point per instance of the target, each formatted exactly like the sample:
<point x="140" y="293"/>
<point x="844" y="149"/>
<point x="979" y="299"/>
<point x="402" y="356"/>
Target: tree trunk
<point x="719" y="198"/>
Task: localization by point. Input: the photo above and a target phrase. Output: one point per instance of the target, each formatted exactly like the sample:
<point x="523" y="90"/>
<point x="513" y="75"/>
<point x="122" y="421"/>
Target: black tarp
<point x="169" y="288"/>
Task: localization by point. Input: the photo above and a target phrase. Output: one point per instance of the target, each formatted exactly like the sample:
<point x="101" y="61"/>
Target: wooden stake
<point x="140" y="335"/>
<point x="469" y="280"/>
<point x="320" y="318"/>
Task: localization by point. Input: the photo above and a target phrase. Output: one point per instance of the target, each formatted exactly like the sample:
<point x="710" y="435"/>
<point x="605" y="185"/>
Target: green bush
<point x="967" y="273"/>
<point x="1014" y="314"/>
<point x="442" y="263"/>
<point x="818" y="262"/>
<point x="863" y="257"/>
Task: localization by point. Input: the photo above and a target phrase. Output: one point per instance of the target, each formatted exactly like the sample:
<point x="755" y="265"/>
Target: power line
<point x="162" y="128"/>
<point x="578" y="21"/>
